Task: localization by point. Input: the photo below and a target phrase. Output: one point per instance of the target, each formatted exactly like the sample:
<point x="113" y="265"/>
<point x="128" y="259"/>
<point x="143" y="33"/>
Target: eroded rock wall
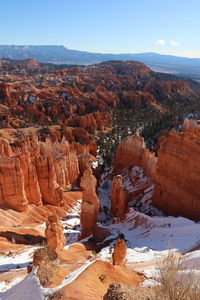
<point x="35" y="172"/>
<point x="177" y="177"/>
<point x="133" y="152"/>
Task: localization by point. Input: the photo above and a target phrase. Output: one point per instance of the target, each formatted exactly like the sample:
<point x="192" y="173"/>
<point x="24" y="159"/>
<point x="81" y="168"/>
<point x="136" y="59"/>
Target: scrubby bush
<point x="177" y="281"/>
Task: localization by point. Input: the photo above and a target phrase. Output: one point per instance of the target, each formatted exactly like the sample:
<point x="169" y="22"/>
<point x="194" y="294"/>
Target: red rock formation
<point x="5" y="91"/>
<point x="92" y="148"/>
<point x="55" y="237"/>
<point x="12" y="190"/>
<point x="133" y="68"/>
<point x="118" y="197"/>
<point x="81" y="96"/>
<point x="90" y="203"/>
<point x="30" y="62"/>
<point x="36" y="172"/>
<point x="92" y="122"/>
<point x="31" y="184"/>
<point x="5" y="149"/>
<point x="177" y="177"/>
<point x="29" y="269"/>
<point x="119" y="254"/>
<point x="171" y="88"/>
<point x="133" y="152"/>
<point x="12" y="187"/>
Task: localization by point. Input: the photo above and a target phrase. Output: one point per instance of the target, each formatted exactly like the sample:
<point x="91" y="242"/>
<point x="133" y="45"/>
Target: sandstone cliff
<point x="133" y="152"/>
<point x="177" y="177"/>
<point x="136" y="165"/>
<point x="35" y="172"/>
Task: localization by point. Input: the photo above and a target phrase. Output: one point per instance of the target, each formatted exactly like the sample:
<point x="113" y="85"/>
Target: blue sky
<point x="117" y="26"/>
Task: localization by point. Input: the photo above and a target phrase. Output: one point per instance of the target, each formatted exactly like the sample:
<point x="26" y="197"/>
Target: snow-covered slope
<point x="148" y="238"/>
<point x="30" y="288"/>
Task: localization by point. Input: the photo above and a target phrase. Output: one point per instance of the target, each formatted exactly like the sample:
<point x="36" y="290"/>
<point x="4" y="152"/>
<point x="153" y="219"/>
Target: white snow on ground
<point x="157" y="233"/>
<point x="19" y="260"/>
<point x="141" y="188"/>
<point x="4" y="286"/>
<point x="147" y="239"/>
<point x="30" y="289"/>
<point x="189" y="265"/>
<point x="16" y="260"/>
<point x="150" y="239"/>
<point x="71" y="223"/>
<point x="104" y="188"/>
<point x="192" y="259"/>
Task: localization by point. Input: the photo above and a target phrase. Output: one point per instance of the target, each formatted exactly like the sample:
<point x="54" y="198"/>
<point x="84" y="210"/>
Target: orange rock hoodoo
<point x="118" y="197"/>
<point x="133" y="152"/>
<point x="36" y="172"/>
<point x="55" y="237"/>
<point x="177" y="178"/>
<point x="119" y="254"/>
<point x="90" y="203"/>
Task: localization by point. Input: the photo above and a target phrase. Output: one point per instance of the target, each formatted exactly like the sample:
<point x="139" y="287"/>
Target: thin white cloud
<point x="160" y="42"/>
<point x="174" y="43"/>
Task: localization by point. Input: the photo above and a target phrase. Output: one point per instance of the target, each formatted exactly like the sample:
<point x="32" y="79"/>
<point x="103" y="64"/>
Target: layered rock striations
<point x="171" y="179"/>
<point x="90" y="203"/>
<point x="133" y="152"/>
<point x="177" y="177"/>
<point x="36" y="172"/>
<point x="12" y="191"/>
<point x="92" y="122"/>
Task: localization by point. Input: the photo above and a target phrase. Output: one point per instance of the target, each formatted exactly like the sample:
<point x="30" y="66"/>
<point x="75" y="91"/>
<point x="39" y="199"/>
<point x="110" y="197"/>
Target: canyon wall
<point x="37" y="172"/>
<point x="175" y="174"/>
<point x="133" y="152"/>
<point x="177" y="177"/>
<point x="136" y="166"/>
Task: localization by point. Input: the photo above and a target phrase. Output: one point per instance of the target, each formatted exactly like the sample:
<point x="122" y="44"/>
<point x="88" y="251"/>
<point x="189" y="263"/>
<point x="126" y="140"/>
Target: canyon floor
<point x="86" y="273"/>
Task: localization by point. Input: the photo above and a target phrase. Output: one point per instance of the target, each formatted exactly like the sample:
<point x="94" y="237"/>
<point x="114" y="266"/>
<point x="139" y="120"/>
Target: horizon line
<point x="167" y="53"/>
